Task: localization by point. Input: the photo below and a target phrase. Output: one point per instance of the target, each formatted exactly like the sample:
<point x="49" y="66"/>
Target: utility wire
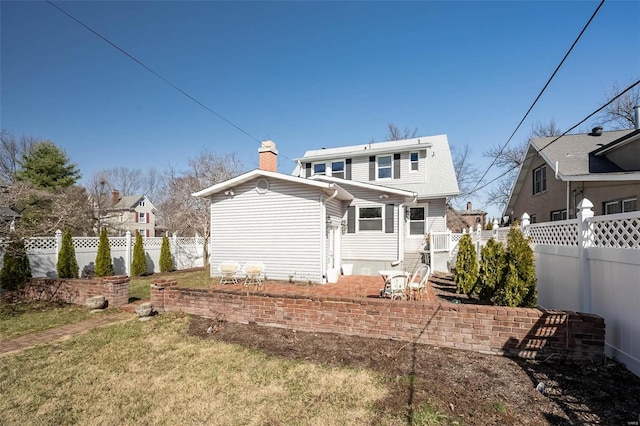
<point x="115" y="46"/>
<point x="537" y="98"/>
<point x="554" y="140"/>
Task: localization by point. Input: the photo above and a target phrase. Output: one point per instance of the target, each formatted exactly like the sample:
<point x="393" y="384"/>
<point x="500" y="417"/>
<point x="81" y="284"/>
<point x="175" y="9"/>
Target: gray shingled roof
<point x="572" y="151"/>
<point x="7" y="212"/>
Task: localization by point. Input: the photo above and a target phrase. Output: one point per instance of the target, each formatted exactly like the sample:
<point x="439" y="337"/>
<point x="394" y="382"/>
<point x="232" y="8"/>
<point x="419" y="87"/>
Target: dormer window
<point x="384" y="167"/>
<point x="337" y="169"/>
<point x="319" y="169"/>
<point x="141" y="203"/>
<point x="414" y="162"/>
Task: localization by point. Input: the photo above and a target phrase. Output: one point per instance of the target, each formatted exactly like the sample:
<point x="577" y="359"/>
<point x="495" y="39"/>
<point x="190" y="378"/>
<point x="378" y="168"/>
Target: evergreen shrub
<point x="67" y="266"/>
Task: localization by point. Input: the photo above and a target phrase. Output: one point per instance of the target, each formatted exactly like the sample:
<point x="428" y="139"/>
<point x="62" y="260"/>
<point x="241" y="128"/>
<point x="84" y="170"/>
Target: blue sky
<point x="304" y="74"/>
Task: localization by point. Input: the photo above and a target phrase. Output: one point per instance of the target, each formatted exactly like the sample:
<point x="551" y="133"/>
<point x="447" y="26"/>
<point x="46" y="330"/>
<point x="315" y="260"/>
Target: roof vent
<point x="596" y="131"/>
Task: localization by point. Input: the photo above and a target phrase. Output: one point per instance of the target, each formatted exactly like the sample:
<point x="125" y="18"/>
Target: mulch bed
<point x="467" y="387"/>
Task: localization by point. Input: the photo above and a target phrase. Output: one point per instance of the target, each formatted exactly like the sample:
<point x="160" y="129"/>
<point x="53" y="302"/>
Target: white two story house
<point x="355" y="208"/>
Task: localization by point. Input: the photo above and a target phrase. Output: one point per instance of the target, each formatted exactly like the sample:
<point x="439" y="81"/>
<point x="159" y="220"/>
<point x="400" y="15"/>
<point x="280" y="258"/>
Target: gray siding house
<point x="353" y="208"/>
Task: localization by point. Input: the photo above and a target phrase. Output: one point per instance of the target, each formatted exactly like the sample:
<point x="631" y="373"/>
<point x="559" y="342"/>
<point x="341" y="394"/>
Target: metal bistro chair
<point x="395" y="286"/>
<point x="253" y="272"/>
<point x="228" y="270"/>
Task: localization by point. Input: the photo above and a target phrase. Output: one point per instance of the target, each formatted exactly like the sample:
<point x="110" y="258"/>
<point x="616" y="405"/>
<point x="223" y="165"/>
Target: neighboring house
<point x="358" y="207"/>
<point x="8" y="219"/>
<point x="601" y="166"/>
<point x="133" y="213"/>
<point x="460" y="220"/>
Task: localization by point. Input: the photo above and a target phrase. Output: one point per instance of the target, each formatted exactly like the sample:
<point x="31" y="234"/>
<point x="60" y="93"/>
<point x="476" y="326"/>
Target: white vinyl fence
<point x="592" y="265"/>
<point x="187" y="252"/>
<point x="589" y="264"/>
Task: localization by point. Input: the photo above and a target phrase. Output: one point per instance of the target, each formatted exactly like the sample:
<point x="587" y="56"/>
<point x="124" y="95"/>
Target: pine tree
<point x="492" y="264"/>
<point x="104" y="264"/>
<point x="16" y="269"/>
<point x="466" y="265"/>
<point x="47" y="166"/>
<point x="67" y="265"/>
<point x="518" y="284"/>
<point x="139" y="264"/>
<point x="166" y="261"/>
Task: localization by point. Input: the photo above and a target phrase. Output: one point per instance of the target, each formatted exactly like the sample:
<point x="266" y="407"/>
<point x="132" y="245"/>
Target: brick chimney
<point x="115" y="196"/>
<point x="268" y="154"/>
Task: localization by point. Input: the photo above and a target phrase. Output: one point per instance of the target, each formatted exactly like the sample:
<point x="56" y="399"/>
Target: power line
<point x="554" y="140"/>
<point x="115" y="46"/>
<point x="538" y="97"/>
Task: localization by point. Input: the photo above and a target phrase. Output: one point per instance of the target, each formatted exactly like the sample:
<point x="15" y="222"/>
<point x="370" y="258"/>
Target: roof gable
<point x="341" y="194"/>
<point x="129" y="202"/>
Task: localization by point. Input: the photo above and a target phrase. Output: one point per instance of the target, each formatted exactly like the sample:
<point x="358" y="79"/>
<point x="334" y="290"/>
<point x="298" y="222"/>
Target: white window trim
<point x="344" y="167"/>
<point x="634" y="199"/>
<point x="142" y="217"/>
<point x="409" y="221"/>
<point x="358" y="219"/>
<point x="313" y="168"/>
<point x="390" y="167"/>
<point x="411" y="162"/>
<point x="543" y="179"/>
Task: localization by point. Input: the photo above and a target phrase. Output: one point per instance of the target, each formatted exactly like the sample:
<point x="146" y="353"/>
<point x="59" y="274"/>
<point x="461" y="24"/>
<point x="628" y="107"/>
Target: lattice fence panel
<point x="40" y="245"/>
<point x="561" y="233"/>
<point x="119" y="242"/>
<point x="621" y="232"/>
<point x="151" y="242"/>
<point x="86" y="242"/>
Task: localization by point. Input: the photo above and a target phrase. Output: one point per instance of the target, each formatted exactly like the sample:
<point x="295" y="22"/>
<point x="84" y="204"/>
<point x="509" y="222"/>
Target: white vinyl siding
<point x="436" y="220"/>
<point x="371" y="245"/>
<point x="360" y="169"/>
<point x="280" y="228"/>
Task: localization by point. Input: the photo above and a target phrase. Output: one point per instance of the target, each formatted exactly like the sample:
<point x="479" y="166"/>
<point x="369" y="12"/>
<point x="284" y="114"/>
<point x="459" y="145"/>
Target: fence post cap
<point x="58" y="232"/>
<point x="585" y="204"/>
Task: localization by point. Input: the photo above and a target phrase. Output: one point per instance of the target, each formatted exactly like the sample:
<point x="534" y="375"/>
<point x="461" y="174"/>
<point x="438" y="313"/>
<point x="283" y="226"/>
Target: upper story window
<point x="319" y="169"/>
<point x="121" y="217"/>
<point x="620" y="206"/>
<point x="539" y="179"/>
<point x="370" y="219"/>
<point x="384" y="167"/>
<point x="142" y="217"/>
<point x="337" y="169"/>
<point x="141" y="203"/>
<point x="415" y="161"/>
<point x="416" y="221"/>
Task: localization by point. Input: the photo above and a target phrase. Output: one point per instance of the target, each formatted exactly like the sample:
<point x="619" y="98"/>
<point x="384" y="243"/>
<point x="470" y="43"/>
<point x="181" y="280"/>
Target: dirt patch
<point x="467" y="387"/>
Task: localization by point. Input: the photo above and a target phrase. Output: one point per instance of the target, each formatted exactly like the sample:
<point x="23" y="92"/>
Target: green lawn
<point x="153" y="373"/>
<point x="139" y="287"/>
<point x="18" y="319"/>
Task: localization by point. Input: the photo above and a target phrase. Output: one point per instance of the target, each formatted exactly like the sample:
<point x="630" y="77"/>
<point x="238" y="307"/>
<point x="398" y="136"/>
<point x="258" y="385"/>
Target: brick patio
<point x="348" y="286"/>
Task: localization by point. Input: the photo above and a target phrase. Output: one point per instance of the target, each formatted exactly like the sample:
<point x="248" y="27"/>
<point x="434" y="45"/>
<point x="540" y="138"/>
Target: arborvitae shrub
<point x="67" y="265"/>
<point x="166" y="261"/>
<point x="466" y="265"/>
<point x="104" y="264"/>
<point x="139" y="264"/>
<point x="517" y="286"/>
<point x="16" y="269"/>
<point x="492" y="262"/>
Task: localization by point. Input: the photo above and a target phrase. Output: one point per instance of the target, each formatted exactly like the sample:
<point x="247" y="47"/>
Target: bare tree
<point x="508" y="161"/>
<point x="11" y="152"/>
<point x="185" y="214"/>
<point x="620" y="112"/>
<point x="466" y="173"/>
<point x="42" y="212"/>
<point x="395" y="134"/>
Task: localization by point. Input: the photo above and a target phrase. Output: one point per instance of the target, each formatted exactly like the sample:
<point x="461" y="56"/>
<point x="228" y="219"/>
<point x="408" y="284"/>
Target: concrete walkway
<point x="18" y="344"/>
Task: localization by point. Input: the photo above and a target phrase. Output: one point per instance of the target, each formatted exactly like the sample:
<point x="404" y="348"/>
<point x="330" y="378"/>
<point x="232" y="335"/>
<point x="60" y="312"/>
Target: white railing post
<point x="585" y="240"/>
<point x="479" y="240"/>
<point x="58" y="243"/>
<point x="495" y="227"/>
<point x="127" y="253"/>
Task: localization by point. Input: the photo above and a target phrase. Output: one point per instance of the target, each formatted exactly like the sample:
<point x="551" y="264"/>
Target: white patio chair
<point x="395" y="286"/>
<point x="253" y="272"/>
<point x="418" y="281"/>
<point x="228" y="270"/>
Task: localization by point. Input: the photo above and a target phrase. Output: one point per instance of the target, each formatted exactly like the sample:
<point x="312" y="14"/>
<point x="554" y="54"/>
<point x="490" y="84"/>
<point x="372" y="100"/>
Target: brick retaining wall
<point x="115" y="289"/>
<point x="523" y="332"/>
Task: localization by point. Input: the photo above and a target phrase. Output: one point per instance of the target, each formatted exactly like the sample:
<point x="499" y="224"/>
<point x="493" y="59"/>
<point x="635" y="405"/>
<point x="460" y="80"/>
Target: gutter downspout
<point x="300" y="168"/>
<point x="401" y="228"/>
<point x="323" y="237"/>
<point x="568" y="198"/>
